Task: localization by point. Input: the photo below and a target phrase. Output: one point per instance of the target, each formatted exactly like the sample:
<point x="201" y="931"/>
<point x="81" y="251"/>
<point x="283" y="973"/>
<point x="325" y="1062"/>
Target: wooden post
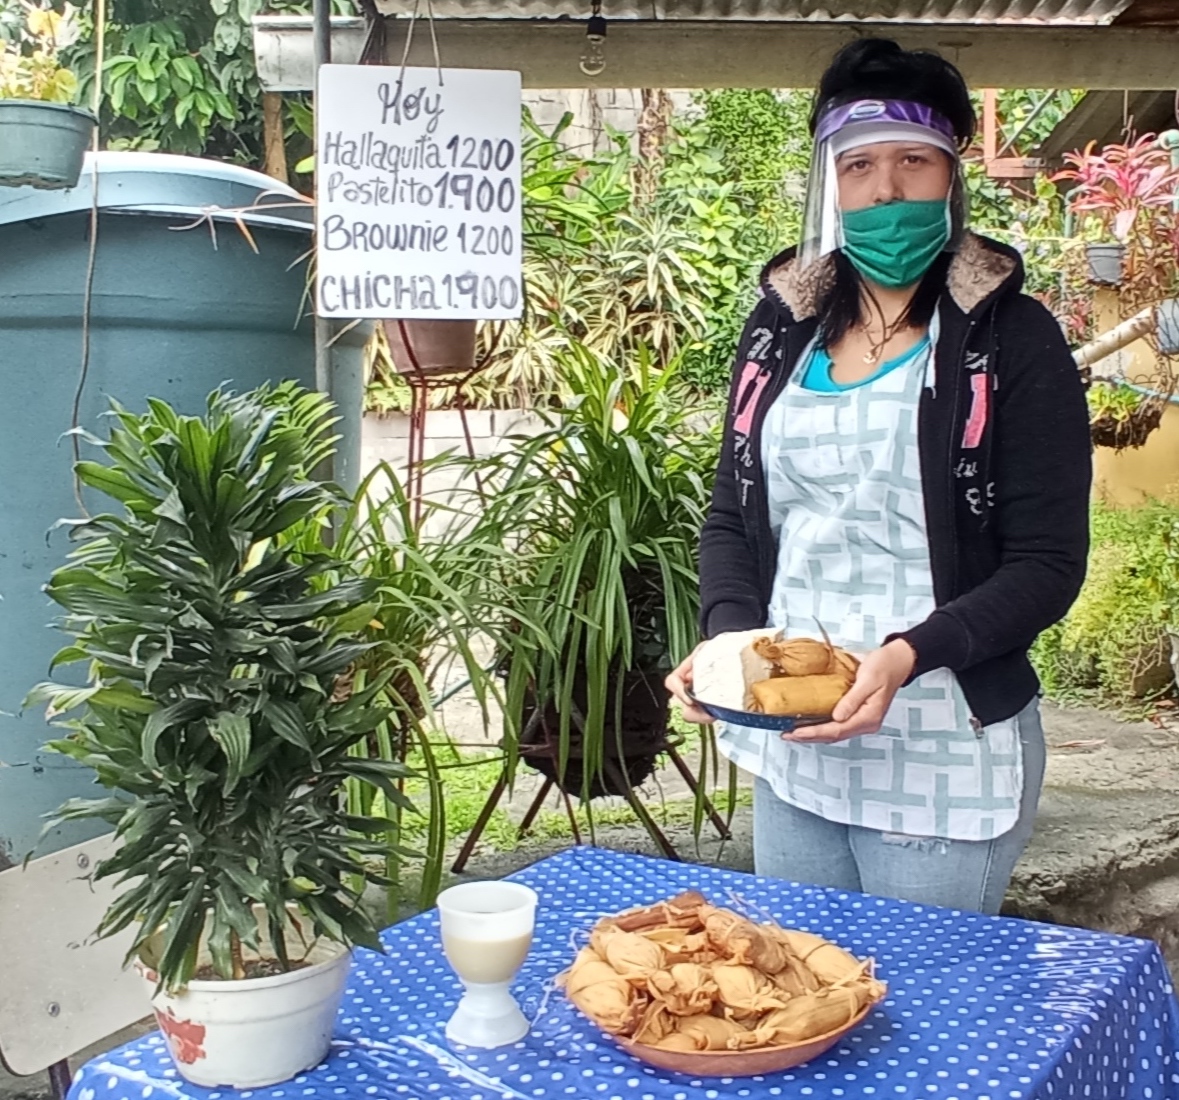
<point x="990" y="125"/>
<point x="273" y="138"/>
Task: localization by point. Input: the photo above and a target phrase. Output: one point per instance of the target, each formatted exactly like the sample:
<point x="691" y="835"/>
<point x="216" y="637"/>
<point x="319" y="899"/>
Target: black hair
<point x="844" y="305"/>
<point x="877" y="68"/>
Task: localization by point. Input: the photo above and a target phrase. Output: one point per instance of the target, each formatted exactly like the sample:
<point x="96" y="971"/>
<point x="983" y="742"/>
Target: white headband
<point x="859" y="134"/>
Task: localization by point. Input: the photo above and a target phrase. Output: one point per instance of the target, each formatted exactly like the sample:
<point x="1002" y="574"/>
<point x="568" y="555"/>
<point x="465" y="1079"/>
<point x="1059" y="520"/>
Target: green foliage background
<point x="1116" y="631"/>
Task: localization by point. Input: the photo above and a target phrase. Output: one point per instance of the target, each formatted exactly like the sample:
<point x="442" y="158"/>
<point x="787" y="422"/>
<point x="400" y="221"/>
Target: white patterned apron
<point x="843" y="477"/>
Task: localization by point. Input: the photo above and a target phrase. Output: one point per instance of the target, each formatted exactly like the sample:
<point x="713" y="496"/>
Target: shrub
<point x="1113" y="642"/>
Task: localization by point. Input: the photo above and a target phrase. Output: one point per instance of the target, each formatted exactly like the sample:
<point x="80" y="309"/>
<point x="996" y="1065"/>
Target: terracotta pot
<point x="434" y="347"/>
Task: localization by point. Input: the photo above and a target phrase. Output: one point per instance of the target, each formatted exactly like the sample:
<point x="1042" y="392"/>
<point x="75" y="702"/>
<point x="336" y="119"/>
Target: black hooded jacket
<point x="1005" y="466"/>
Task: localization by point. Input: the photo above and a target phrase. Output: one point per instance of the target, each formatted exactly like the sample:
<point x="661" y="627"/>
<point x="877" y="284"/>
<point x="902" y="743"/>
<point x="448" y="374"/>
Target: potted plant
<point x="43" y="139"/>
<point x="603" y="512"/>
<point x="437" y="605"/>
<point x="1120" y="416"/>
<point x="1124" y="188"/>
<point x="216" y="636"/>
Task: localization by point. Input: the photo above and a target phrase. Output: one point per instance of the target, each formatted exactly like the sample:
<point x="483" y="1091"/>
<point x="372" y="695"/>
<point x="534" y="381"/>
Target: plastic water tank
<point x="180" y="303"/>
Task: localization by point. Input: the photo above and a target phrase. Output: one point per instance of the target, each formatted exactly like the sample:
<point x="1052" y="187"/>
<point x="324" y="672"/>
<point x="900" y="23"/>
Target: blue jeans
<point x="800" y="846"/>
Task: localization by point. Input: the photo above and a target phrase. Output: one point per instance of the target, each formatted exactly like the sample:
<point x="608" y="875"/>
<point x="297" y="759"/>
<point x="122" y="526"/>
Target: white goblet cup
<point x="486" y="934"/>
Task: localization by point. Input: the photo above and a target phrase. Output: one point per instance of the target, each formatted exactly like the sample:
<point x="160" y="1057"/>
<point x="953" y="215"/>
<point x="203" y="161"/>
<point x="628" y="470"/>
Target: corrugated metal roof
<point x="1057" y="12"/>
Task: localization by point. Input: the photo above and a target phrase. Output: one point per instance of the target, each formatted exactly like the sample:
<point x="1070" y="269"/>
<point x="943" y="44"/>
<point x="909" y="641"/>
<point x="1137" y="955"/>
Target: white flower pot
<point x="256" y="1032"/>
<point x="1105" y="263"/>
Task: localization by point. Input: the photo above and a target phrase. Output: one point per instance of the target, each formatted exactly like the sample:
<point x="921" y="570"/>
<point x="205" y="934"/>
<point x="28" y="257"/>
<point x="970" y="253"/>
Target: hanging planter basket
<point x="431" y="349"/>
<point x="645" y="709"/>
<point x="43" y="144"/>
<point x="1122" y="433"/>
<point x="1105" y="263"/>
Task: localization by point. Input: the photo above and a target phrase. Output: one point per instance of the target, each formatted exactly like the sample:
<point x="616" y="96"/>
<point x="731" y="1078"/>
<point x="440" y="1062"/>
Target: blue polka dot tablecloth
<point x="978" y="1007"/>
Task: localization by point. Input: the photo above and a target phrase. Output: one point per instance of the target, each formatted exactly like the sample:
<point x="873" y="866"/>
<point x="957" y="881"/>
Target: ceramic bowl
<point x="780" y="723"/>
<point x="741" y="1063"/>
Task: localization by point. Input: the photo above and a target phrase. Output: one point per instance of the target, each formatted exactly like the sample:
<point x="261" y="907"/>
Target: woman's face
<point x="891" y="171"/>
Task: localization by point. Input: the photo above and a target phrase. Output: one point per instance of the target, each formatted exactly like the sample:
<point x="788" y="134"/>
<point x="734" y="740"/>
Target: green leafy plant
<point x="180" y="77"/>
<point x="1111" y="401"/>
<point x="437" y="606"/>
<point x="1113" y="644"/>
<point x="30" y="65"/>
<point x="1121" y="416"/>
<point x="217" y="705"/>
<point x="602" y="513"/>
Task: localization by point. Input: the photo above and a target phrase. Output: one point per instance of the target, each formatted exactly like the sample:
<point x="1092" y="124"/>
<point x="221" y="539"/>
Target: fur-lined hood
<point x="981" y="267"/>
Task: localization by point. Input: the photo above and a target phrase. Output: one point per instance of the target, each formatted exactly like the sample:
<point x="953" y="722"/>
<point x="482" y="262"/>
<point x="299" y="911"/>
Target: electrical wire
<point x="92" y="256"/>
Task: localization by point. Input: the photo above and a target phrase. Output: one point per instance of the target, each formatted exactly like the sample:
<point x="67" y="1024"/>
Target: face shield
<point x="868" y="122"/>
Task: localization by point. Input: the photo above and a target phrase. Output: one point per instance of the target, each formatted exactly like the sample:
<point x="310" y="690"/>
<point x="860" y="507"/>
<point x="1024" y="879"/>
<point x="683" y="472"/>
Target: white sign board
<point x="418" y="192"/>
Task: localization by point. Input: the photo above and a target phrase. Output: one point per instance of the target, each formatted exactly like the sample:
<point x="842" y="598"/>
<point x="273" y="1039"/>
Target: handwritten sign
<point x="418" y="192"/>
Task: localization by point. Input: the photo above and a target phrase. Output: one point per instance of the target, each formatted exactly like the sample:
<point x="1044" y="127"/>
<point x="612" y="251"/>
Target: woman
<point x="906" y="461"/>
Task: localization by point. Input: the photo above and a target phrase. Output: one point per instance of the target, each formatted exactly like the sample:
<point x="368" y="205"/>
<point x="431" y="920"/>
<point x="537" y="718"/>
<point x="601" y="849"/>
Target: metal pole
<point x="322" y="22"/>
<point x="322" y="19"/>
<point x="60" y="1079"/>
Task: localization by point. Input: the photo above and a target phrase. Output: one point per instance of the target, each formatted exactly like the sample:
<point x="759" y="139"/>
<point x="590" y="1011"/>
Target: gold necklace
<point x="872" y="355"/>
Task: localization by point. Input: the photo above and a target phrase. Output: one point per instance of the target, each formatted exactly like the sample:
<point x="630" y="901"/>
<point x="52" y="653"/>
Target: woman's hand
<point x="862" y="709"/>
<point x="679" y="683"/>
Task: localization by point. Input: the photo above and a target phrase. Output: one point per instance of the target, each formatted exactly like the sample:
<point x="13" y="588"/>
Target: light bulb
<point x="593" y="56"/>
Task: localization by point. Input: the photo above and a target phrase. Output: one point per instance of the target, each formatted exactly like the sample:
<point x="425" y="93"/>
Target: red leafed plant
<point x="1121" y="183"/>
<point x="1132" y="191"/>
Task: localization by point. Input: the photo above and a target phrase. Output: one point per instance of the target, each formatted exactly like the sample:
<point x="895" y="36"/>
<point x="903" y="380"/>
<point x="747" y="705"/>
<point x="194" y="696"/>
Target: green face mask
<point x="895" y="243"/>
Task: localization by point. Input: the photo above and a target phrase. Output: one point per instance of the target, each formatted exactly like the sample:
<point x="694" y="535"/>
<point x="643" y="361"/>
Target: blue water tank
<point x="199" y="279"/>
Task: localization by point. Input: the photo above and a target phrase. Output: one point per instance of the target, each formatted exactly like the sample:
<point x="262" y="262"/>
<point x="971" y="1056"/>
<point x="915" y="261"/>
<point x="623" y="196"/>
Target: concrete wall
<point x="386" y="439"/>
<point x="1130" y="477"/>
<point x="593" y="110"/>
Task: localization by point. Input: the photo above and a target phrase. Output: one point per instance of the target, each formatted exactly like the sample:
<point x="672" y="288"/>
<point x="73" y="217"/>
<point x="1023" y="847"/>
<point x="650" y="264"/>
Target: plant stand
<point x="423" y="379"/>
<point x="614" y="771"/>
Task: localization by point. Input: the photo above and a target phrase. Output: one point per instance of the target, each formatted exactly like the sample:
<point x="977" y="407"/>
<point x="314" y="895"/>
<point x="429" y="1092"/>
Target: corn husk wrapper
<point x="799" y="695"/>
<point x="633" y="956"/>
<point x="809" y="1017"/>
<point x="602" y="932"/>
<point x="602" y="994"/>
<point x="710" y="1032"/>
<point x="688" y="976"/>
<point x="806" y="657"/>
<point x="846" y="665"/>
<point x="746" y="992"/>
<point x="616" y="1007"/>
<point x="656" y="1024"/>
<point x="676" y="941"/>
<point x="829" y="963"/>
<point x="686" y="989"/>
<point x="800" y="657"/>
<point x="795" y="978"/>
<point x="588" y="970"/>
<point x="742" y="941"/>
<point x="678" y="912"/>
<point x="679" y="1042"/>
<point x="679" y="945"/>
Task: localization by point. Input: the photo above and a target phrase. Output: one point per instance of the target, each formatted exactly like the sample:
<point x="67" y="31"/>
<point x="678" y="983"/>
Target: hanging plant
<point x="1121" y="417"/>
